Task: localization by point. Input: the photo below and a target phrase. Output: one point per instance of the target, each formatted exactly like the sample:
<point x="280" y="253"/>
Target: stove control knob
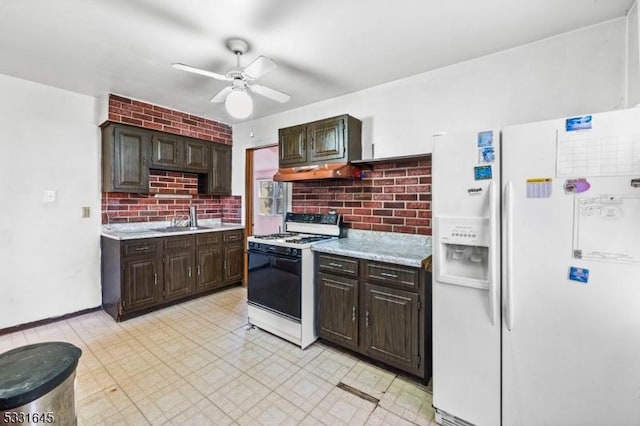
<point x="294" y="252"/>
<point x="288" y="250"/>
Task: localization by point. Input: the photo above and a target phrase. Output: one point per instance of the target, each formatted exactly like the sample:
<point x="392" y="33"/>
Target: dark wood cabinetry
<point x="129" y="152"/>
<point x="125" y="152"/>
<point x="336" y="139"/>
<point x="144" y="274"/>
<point x="220" y="177"/>
<point x="233" y="254"/>
<point x="179" y="267"/>
<point x="378" y="309"/>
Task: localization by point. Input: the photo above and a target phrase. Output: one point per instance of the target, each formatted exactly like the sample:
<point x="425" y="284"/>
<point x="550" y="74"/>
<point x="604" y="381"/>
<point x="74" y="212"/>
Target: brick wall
<point x="142" y="114"/>
<point x="124" y="207"/>
<point x="392" y="197"/>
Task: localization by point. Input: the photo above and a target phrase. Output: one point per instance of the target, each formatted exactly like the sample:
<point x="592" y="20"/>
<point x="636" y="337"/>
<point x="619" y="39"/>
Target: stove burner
<point x="304" y="240"/>
<point x="277" y="236"/>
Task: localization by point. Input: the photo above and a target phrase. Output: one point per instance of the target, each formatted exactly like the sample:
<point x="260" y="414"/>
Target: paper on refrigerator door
<point x="606" y="229"/>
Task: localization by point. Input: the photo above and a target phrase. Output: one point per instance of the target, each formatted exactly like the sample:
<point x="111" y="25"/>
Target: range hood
<point x="317" y="172"/>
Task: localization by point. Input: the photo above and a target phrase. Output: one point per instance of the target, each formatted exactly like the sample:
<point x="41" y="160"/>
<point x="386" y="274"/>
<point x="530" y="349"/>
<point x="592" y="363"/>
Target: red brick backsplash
<point x="154" y="117"/>
<point x="392" y="196"/>
<point x="123" y="207"/>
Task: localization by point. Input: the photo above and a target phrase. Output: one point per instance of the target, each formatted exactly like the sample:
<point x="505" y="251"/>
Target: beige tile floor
<point x="198" y="363"/>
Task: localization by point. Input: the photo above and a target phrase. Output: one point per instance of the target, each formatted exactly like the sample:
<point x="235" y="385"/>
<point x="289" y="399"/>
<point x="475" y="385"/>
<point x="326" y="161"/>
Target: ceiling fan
<point x="236" y="98"/>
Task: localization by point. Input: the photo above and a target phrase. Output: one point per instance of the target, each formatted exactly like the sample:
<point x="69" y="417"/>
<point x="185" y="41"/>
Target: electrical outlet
<point x="86" y="212"/>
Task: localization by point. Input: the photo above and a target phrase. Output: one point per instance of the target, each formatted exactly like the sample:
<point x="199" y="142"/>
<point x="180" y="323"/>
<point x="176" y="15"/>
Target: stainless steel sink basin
<point x="180" y="228"/>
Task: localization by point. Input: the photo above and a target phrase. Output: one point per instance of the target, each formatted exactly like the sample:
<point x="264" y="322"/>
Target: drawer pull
<point x="233" y="237"/>
<point x="385" y="274"/>
<point x="353" y="314"/>
<point x="155" y="278"/>
<point x="335" y="265"/>
<point x="367" y="319"/>
<point x="142" y="248"/>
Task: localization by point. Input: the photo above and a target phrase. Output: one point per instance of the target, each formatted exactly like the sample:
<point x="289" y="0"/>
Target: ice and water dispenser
<point x="464" y="251"/>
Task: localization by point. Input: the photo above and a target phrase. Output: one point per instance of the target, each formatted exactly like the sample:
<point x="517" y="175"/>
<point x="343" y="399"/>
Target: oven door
<point x="275" y="283"/>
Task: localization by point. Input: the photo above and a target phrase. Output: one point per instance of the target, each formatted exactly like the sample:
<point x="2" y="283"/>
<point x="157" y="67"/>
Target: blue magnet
<point x="580" y="275"/>
<point x="578" y="123"/>
<point x="485" y="138"/>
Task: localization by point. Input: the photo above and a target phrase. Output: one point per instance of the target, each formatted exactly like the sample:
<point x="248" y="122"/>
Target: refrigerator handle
<point x="493" y="253"/>
<point x="508" y="206"/>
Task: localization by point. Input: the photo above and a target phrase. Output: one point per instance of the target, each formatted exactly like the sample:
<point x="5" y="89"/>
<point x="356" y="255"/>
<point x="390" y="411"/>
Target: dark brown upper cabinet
<point x="220" y="176"/>
<point x="129" y="152"/>
<point x="332" y="140"/>
<point x="176" y="152"/>
<point x="125" y="151"/>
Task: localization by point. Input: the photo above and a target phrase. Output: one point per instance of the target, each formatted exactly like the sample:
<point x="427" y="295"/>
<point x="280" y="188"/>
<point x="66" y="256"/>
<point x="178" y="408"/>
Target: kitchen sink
<point x="180" y="228"/>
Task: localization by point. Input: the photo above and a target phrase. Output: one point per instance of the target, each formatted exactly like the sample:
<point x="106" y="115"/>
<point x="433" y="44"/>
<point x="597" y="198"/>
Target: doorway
<point x="267" y="201"/>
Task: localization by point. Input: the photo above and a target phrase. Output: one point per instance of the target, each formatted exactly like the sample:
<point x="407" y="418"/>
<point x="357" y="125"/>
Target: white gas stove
<point x="280" y="288"/>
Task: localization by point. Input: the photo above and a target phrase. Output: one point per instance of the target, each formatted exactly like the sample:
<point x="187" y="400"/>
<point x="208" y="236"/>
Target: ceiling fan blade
<point x="260" y="67"/>
<point x="269" y="93"/>
<point x="221" y="96"/>
<point x="195" y="70"/>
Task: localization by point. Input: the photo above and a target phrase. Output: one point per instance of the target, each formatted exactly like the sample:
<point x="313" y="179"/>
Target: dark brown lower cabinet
<point x="145" y="274"/>
<point x="233" y="254"/>
<point x="377" y="309"/>
<point x="337" y="305"/>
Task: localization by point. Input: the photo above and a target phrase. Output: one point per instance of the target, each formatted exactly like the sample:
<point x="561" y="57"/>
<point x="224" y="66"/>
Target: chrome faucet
<point x="193" y="217"/>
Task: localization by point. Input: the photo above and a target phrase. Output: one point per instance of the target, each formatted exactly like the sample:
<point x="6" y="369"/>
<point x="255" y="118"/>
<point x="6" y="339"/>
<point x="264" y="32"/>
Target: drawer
<point x="344" y="265"/>
<point x="176" y="243"/>
<point x="210" y="238"/>
<point x="232" y="236"/>
<point x="403" y="276"/>
<point x="131" y="248"/>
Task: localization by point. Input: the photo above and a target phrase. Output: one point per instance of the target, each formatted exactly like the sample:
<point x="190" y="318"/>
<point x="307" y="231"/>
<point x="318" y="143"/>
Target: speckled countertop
<point x="401" y="249"/>
<point x="130" y="231"/>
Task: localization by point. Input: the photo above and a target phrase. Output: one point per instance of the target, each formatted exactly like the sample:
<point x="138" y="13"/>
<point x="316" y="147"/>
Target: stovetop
<point x="292" y="237"/>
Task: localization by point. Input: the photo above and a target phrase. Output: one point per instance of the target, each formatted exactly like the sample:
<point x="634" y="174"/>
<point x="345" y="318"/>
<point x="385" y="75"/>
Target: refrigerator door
<point x="466" y="314"/>
<point x="571" y="272"/>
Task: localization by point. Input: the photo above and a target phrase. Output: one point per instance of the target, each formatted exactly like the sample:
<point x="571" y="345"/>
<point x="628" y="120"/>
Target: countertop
<point x="400" y="249"/>
<point x="130" y="231"/>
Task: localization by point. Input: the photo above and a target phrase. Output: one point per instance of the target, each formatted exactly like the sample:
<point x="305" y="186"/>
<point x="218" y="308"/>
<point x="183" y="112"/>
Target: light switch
<point x="86" y="212"/>
<point x="49" y="196"/>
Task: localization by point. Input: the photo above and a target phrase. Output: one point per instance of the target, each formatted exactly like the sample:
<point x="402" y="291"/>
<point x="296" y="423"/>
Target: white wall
<point x="574" y="73"/>
<point x="49" y="255"/>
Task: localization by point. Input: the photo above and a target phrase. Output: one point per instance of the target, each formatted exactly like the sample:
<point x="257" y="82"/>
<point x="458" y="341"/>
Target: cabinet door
<point x="209" y="268"/>
<point x="166" y="151"/>
<point x="140" y="282"/>
<point x="337" y="309"/>
<point x="130" y="169"/>
<point x="326" y="140"/>
<point x="220" y="174"/>
<point x="391" y="326"/>
<point x="292" y="146"/>
<point x="179" y="274"/>
<point x="196" y="156"/>
<point x="233" y="263"/>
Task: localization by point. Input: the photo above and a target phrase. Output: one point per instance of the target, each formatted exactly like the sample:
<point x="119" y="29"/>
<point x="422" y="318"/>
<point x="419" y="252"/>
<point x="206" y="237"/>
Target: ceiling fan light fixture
<point x="239" y="103"/>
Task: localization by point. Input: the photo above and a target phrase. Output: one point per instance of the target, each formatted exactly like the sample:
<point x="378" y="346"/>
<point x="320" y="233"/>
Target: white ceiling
<point x="324" y="48"/>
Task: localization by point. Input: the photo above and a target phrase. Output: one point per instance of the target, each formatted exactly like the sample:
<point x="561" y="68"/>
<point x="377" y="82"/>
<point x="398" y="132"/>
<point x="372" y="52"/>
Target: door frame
<point x="248" y="200"/>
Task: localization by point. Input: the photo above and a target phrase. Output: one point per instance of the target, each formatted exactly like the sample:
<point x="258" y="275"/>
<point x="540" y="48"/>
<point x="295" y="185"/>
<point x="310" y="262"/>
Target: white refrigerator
<point x="536" y="286"/>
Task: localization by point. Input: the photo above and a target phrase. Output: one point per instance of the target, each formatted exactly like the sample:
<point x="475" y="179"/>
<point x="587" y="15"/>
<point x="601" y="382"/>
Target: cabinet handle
<point x="189" y="270"/>
<point x="155" y="278"/>
<point x="142" y="248"/>
<point x="384" y="274"/>
<point x="367" y="319"/>
<point x="353" y="314"/>
<point x="199" y="270"/>
<point x="335" y="265"/>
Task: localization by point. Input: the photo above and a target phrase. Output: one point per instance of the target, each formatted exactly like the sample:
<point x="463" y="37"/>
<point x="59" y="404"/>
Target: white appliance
<point x="280" y="288"/>
<point x="536" y="287"/>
